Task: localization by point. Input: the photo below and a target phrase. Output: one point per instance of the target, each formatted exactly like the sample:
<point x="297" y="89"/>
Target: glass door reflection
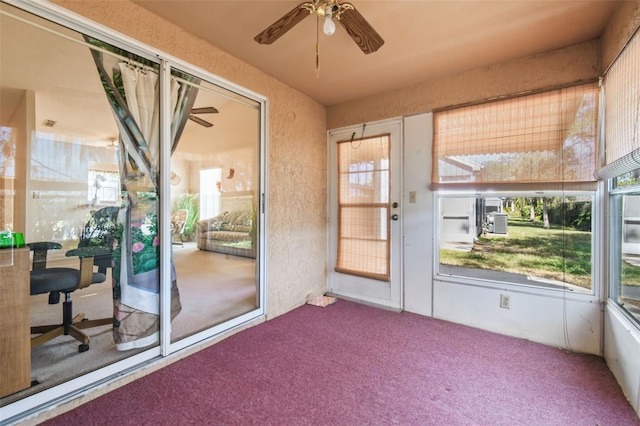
<point x="214" y="206"/>
<point x="63" y="181"/>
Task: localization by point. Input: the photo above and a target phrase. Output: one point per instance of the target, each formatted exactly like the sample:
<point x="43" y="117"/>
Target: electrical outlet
<point x="505" y="301"/>
<point x="412" y="196"/>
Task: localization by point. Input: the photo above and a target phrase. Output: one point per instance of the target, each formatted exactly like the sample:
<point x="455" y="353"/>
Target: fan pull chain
<point x="317" y="46"/>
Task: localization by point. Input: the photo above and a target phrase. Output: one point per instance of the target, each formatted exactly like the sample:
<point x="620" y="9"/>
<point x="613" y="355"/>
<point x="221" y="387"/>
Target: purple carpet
<point x="350" y="364"/>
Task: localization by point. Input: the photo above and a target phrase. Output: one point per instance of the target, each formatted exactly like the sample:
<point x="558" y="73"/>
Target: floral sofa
<point x="229" y="233"/>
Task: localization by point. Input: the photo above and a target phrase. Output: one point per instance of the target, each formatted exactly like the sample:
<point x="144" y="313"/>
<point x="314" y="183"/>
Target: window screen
<point x="622" y="113"/>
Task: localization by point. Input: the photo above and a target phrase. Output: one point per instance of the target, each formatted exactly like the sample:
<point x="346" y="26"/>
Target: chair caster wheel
<point x="83" y="348"/>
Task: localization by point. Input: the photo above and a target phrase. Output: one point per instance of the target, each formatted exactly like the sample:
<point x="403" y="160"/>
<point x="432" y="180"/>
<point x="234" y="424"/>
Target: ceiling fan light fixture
<point x="365" y="36"/>
<point x="112" y="144"/>
<point x="329" y="26"/>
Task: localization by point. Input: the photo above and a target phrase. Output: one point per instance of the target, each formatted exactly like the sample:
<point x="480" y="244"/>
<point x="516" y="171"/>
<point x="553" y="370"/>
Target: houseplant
<point x="190" y="202"/>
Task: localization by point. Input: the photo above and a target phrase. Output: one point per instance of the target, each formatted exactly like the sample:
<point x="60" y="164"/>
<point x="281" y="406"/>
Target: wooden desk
<point x="15" y="329"/>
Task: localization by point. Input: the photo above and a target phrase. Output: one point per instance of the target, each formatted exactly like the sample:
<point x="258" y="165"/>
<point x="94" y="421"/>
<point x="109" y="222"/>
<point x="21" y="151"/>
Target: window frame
<point x="615" y="197"/>
<point x="591" y="295"/>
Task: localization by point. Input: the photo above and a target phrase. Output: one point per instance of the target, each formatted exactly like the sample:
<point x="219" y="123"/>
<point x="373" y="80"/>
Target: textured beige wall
<point x="297" y="150"/>
<point x="549" y="69"/>
<point x="624" y="21"/>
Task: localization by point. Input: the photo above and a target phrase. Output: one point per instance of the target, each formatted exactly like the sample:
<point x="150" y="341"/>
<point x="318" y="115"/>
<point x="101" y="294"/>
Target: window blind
<point x="546" y="139"/>
<point x="363" y="207"/>
<point x="622" y="113"/>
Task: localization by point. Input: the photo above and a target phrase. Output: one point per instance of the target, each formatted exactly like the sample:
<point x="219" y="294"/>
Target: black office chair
<point x="65" y="280"/>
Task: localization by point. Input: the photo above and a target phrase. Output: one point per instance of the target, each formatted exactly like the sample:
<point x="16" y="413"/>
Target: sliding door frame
<point x="82" y="385"/>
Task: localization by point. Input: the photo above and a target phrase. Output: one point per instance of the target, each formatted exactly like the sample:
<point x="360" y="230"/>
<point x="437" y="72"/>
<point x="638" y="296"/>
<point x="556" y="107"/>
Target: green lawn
<point x="630" y="274"/>
<point x="555" y="253"/>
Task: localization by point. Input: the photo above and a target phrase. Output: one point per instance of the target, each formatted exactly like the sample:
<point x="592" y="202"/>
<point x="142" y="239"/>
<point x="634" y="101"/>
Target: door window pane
<point x="363" y="207"/>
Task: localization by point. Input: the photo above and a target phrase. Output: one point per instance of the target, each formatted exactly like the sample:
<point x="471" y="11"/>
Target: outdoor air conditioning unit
<point x="499" y="223"/>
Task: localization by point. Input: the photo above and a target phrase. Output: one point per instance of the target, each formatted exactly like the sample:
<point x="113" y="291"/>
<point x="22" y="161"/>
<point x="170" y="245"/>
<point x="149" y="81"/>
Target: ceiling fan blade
<point x="200" y="121"/>
<point x="204" y="110"/>
<point x="284" y="24"/>
<point x="360" y="30"/>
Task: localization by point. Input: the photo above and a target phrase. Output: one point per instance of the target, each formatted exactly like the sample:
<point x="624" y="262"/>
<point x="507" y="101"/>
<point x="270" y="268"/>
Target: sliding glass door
<point x="79" y="180"/>
<point x="107" y="149"/>
<point x="214" y="181"/>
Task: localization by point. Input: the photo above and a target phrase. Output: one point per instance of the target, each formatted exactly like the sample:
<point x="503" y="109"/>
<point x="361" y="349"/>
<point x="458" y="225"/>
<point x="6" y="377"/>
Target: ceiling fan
<point x="357" y="27"/>
<point x="112" y="144"/>
<point x="205" y="110"/>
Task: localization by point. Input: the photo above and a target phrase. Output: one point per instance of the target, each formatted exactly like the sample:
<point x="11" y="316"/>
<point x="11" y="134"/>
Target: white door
<point x="365" y="213"/>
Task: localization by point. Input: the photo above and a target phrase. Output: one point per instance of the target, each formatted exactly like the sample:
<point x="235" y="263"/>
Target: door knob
<point x="394" y="217"/>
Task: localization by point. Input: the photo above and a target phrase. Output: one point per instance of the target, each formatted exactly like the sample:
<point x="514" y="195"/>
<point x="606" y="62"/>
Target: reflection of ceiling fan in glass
<point x="205" y="110"/>
<point x="112" y="144"/>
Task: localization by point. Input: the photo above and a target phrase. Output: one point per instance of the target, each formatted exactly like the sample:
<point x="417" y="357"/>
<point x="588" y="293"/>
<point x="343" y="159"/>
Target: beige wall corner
<point x="623" y="23"/>
<point x="297" y="150"/>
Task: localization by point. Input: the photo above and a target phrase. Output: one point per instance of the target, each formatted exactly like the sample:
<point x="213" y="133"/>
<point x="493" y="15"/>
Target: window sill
<point x="571" y="292"/>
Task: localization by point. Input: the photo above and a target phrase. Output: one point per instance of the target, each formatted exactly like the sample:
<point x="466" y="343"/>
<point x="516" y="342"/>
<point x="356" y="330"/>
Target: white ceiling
<point x="423" y="39"/>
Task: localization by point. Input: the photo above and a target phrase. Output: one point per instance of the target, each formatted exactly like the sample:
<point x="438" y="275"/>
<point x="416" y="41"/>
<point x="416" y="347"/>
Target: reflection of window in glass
<point x="60" y="158"/>
<point x="104" y="186"/>
<point x="60" y="182"/>
<point x="7" y="152"/>
<point x="521" y="239"/>
<point x="7" y="177"/>
<point x="210" y="190"/>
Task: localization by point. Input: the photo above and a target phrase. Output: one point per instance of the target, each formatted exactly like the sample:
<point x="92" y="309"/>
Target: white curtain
<point x="141" y="90"/>
<point x="132" y="89"/>
<point x="140" y="291"/>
